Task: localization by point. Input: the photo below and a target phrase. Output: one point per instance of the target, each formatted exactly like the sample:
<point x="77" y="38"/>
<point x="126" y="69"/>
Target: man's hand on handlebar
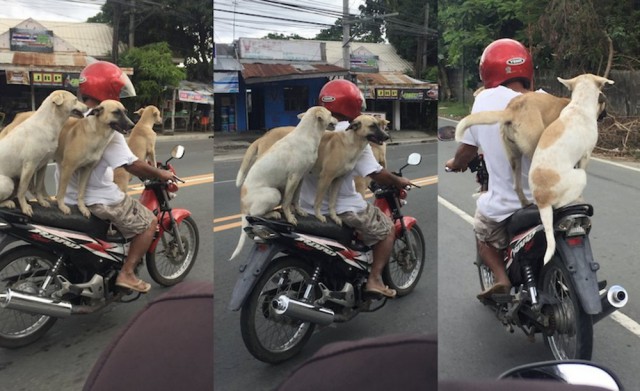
<point x="450" y="166"/>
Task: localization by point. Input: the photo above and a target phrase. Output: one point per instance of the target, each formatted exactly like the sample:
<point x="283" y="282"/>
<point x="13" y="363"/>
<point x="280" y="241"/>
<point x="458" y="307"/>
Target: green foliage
<point x="154" y="71"/>
<point x="282" y="36"/>
<point x="366" y="28"/>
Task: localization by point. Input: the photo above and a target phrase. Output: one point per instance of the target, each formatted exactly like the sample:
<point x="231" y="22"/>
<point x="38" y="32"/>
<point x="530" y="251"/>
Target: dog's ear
<point x="139" y="111"/>
<point x="568" y="83"/>
<point x="355" y="125"/>
<point x="57" y="97"/>
<point x="96" y="111"/>
<point x="301" y="115"/>
<point x="383" y="123"/>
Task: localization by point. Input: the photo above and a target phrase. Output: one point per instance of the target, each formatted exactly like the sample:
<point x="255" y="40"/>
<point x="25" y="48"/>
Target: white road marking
<point x="622" y="319"/>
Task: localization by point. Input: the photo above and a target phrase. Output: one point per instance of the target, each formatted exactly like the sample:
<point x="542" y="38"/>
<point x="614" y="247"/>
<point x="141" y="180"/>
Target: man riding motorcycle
<point x="506" y="71"/>
<point x="99" y="81"/>
<point x="345" y="101"/>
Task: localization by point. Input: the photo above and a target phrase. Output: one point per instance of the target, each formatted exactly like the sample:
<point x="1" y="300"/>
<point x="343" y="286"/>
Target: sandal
<point x="139" y="286"/>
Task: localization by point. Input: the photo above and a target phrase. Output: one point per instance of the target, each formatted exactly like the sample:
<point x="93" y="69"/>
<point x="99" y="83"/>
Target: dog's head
<point x="321" y="116"/>
<point x="68" y="103"/>
<point x="370" y="128"/>
<point x="113" y="114"/>
<point x="150" y="113"/>
<point x="585" y="79"/>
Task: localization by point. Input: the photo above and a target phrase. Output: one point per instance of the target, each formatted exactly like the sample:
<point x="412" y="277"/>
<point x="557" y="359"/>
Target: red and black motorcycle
<point x="315" y="273"/>
<point x="54" y="265"/>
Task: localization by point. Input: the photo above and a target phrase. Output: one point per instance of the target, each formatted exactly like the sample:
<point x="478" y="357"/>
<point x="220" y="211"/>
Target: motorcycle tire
<point x="573" y="338"/>
<point x="17" y="328"/>
<point x="406" y="263"/>
<point x="165" y="265"/>
<point x="270" y="337"/>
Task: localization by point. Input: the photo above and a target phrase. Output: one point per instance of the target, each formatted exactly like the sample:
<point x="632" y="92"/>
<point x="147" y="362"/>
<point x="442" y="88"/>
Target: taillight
<point x="575" y="241"/>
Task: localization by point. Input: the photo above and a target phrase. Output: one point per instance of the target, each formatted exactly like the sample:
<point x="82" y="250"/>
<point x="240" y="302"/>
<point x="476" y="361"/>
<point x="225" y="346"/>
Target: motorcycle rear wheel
<point x="484" y="274"/>
<point x="166" y="266"/>
<point x="573" y="338"/>
<point x="405" y="266"/>
<point x="270" y="337"/>
<point x="17" y="328"/>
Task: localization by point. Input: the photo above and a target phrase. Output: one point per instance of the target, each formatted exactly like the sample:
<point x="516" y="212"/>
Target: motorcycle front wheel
<point x="167" y="265"/>
<point x="23" y="270"/>
<point x="572" y="328"/>
<point x="403" y="271"/>
<point x="270" y="337"/>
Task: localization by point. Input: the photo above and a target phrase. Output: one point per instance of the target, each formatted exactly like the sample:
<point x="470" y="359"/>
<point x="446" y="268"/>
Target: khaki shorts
<point x="491" y="232"/>
<point x="129" y="216"/>
<point x="371" y="224"/>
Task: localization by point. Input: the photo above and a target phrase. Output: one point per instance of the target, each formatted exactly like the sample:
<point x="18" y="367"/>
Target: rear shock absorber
<point x="313" y="281"/>
<point x="530" y="282"/>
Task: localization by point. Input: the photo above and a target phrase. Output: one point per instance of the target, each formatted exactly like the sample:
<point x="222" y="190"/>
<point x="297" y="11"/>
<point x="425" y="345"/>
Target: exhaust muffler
<point x="284" y="305"/>
<point x="34" y="304"/>
<point x="613" y="299"/>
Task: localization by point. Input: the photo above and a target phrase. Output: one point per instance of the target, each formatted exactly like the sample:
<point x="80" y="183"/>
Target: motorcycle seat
<point x="75" y="221"/>
<point x="522" y="219"/>
<point x="312" y="226"/>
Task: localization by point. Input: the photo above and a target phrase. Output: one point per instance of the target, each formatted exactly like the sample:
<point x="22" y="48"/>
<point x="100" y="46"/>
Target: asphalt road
<point x="472" y="342"/>
<point x="62" y="359"/>
<point x="234" y="367"/>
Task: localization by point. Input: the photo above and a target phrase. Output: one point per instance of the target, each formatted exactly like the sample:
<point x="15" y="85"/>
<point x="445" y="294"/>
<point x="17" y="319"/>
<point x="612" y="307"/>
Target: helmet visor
<point x="127" y="90"/>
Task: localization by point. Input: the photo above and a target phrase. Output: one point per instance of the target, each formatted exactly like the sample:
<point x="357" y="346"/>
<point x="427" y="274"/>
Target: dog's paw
<point x="64" y="209"/>
<point x="44" y="203"/>
<point x="27" y="209"/>
<point x="301" y="212"/>
<point x="291" y="219"/>
<point x="85" y="211"/>
<point x="321" y="218"/>
<point x="8" y="204"/>
<point x="336" y="220"/>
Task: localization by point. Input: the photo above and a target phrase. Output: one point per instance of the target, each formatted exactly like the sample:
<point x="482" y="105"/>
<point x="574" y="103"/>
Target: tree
<point x="186" y="25"/>
<point x="282" y="36"/>
<point x="154" y="72"/>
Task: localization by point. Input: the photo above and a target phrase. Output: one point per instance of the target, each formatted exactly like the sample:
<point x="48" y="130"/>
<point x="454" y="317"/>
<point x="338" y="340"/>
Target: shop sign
<point x="387" y="93"/>
<point x="364" y="63"/>
<point x="412" y="95"/>
<point x="27" y="40"/>
<point x="225" y="83"/>
<point x="195" y="97"/>
<point x="55" y="79"/>
<point x="18" y="77"/>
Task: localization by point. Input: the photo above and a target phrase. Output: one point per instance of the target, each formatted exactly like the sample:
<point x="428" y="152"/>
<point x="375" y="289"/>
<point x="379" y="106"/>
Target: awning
<point x="260" y="72"/>
<point x="45" y="62"/>
<point x="189" y="91"/>
<point x="225" y="83"/>
<point x="396" y="86"/>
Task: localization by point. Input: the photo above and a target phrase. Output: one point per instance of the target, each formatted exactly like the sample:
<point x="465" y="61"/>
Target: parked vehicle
<point x="297" y="277"/>
<point x="54" y="265"/>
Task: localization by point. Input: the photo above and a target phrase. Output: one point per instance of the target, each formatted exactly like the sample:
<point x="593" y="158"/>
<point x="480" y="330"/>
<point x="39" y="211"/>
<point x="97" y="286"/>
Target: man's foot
<point x="497" y="288"/>
<point x="136" y="285"/>
<point x="384" y="291"/>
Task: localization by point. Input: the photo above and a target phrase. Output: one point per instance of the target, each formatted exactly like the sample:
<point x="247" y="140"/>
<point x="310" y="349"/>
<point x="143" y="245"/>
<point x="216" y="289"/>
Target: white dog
<point x="277" y="175"/>
<point x="557" y="176"/>
<point x="26" y="150"/>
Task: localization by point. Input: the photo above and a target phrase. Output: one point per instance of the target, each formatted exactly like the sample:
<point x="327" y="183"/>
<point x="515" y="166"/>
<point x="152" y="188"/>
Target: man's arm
<point x="463" y="156"/>
<point x="385" y="177"/>
<point x="142" y="169"/>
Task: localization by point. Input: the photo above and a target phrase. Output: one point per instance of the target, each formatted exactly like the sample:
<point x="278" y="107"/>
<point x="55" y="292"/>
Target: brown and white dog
<point x="141" y="141"/>
<point x="521" y="124"/>
<point x="275" y="178"/>
<point x="28" y="147"/>
<point x="557" y="176"/>
<point x="338" y="155"/>
<point x="81" y="146"/>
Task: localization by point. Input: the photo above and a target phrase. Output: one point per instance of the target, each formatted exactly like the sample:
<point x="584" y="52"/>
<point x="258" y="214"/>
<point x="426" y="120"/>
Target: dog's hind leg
<point x="28" y="171"/>
<point x="83" y="180"/>
<point x="6" y="190"/>
<point x="39" y="190"/>
<point x="324" y="183"/>
<point x="65" y="177"/>
<point x="333" y="199"/>
<point x="293" y="182"/>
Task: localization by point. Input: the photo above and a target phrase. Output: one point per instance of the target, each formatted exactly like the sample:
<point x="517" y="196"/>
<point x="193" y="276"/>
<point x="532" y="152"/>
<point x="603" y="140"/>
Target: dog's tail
<point x="546" y="215"/>
<point x="247" y="161"/>
<point x="242" y="239"/>
<point x="480" y="118"/>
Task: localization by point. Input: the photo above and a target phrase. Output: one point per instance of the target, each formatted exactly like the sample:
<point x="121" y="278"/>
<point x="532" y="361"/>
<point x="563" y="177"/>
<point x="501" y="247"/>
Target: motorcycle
<point x="561" y="299"/>
<point x="297" y="277"/>
<point x="54" y="265"/>
<point x="576" y="372"/>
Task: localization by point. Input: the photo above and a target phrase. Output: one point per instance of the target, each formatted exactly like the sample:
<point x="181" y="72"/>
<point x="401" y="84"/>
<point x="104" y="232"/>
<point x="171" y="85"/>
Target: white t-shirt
<point x="101" y="189"/>
<point x="501" y="200"/>
<point x="349" y="200"/>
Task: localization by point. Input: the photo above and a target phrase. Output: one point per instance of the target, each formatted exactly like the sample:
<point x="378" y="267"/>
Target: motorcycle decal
<point x="51" y="236"/>
<point x="315" y="245"/>
<point x="524" y="240"/>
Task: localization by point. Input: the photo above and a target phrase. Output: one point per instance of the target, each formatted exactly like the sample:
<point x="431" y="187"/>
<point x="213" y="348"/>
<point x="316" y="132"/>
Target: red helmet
<point x="503" y="60"/>
<point x="103" y="80"/>
<point x="342" y="97"/>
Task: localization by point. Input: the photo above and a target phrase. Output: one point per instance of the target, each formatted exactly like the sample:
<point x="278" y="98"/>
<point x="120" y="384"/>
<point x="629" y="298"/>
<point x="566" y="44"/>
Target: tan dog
<point x="277" y="175"/>
<point x="337" y="156"/>
<point x="28" y="147"/>
<point x="521" y="124"/>
<point x="380" y="153"/>
<point x="142" y="143"/>
<point x="557" y="176"/>
<point x="81" y="147"/>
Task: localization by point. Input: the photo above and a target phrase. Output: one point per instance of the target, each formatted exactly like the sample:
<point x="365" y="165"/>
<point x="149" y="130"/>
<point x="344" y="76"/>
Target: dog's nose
<point x="331" y="126"/>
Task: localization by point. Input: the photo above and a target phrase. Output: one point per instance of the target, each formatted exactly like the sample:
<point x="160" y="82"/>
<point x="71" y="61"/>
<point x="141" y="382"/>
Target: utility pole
<point x="346" y="35"/>
<point x="132" y="24"/>
<point x="117" y="12"/>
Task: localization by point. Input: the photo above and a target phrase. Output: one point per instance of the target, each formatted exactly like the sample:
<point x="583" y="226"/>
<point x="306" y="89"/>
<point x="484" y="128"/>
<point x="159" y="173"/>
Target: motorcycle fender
<point x="579" y="261"/>
<point x="178" y="215"/>
<point x="250" y="272"/>
<point x="5" y="240"/>
<point x="409" y="222"/>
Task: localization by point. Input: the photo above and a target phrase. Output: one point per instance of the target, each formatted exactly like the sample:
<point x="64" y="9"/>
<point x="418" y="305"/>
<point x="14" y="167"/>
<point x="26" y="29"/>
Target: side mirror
<point x="177" y="152"/>
<point x="414" y="159"/>
<point x="447" y="133"/>
<point x="576" y="372"/>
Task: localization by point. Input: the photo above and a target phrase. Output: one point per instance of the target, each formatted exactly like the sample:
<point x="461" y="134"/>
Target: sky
<point x="52" y="10"/>
<point x="306" y="23"/>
